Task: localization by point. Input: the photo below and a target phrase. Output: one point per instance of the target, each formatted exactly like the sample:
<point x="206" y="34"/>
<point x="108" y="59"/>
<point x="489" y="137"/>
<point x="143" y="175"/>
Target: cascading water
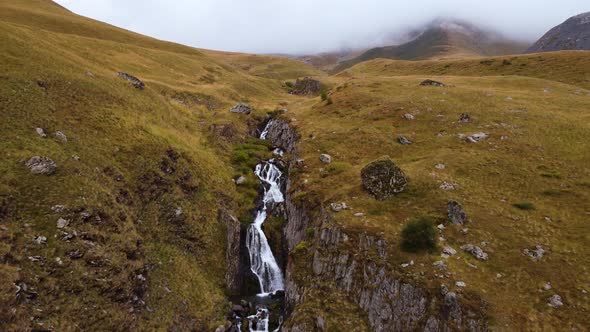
<point x="262" y="261"/>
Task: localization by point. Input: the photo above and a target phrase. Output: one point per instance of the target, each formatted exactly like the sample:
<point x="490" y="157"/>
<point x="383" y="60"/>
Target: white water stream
<point x="262" y="260"/>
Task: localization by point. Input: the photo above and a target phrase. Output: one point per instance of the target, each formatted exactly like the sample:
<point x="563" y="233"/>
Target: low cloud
<point x="312" y="26"/>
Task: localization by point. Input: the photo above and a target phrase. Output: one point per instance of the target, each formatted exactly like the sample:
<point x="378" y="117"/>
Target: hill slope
<point x="130" y="232"/>
<point x="573" y="34"/>
<point x="443" y="39"/>
<point x="140" y="182"/>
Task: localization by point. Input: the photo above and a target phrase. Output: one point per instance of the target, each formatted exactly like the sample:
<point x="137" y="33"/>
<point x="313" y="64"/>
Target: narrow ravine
<point x="262" y="261"/>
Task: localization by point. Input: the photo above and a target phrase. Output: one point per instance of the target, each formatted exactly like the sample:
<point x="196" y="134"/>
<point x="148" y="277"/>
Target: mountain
<point x="573" y="34"/>
<point x="444" y="39"/>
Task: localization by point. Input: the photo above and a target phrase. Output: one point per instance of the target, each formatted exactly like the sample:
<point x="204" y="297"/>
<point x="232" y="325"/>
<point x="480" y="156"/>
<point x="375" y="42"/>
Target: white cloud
<point x="306" y="26"/>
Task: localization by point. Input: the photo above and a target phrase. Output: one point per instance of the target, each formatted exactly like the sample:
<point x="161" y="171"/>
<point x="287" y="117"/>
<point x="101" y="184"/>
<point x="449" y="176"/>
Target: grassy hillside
<point x="536" y="154"/>
<point x="142" y="177"/>
<point x="145" y="173"/>
<point x="571" y="67"/>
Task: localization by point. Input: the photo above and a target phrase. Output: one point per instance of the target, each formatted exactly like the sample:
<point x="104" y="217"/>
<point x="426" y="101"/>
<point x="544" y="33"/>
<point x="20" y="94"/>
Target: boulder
<point x="325" y="158"/>
<point x="62" y="223"/>
<point x="240" y="180"/>
<point x="449" y="251"/>
<point x="536" y="253"/>
<point x="403" y="140"/>
<point x="41" y="132"/>
<point x="555" y="301"/>
<point x="408" y="116"/>
<point x="41" y="165"/>
<point x="137" y="83"/>
<point x="431" y="83"/>
<point x="306" y="86"/>
<point x="448" y="186"/>
<point x="383" y="178"/>
<point x="464" y="118"/>
<point x="337" y="207"/>
<point x="241" y="109"/>
<point x="61" y="136"/>
<point x="476" y="137"/>
<point x="476" y="252"/>
<point x="456" y="213"/>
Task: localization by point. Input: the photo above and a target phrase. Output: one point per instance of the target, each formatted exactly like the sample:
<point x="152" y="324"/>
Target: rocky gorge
<point x="355" y="264"/>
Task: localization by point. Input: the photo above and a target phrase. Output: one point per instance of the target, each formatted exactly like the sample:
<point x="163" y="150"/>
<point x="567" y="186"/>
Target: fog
<point x="313" y="26"/>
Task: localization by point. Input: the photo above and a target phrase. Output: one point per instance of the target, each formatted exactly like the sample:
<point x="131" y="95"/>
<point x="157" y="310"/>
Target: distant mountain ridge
<point x="573" y="34"/>
<point x="444" y="39"/>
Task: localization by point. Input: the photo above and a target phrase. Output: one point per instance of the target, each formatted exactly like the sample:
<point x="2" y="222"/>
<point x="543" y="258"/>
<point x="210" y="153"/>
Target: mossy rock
<point x="383" y="178"/>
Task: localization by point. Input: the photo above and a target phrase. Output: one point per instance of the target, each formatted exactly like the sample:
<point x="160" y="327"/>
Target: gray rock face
<point x="383" y="179"/>
<point x="573" y="34"/>
<point x="391" y="304"/>
<point x="137" y="83"/>
<point x="306" y="86"/>
<point x="325" y="158"/>
<point x="241" y="109"/>
<point x="456" y="213"/>
<point x="41" y="165"/>
<point x="476" y="252"/>
<point x="233" y="280"/>
<point x="431" y="83"/>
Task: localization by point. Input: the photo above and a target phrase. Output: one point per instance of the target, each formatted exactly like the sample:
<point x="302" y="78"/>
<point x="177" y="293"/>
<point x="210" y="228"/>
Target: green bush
<point x="419" y="234"/>
<point x="310" y="231"/>
<point x="524" y="206"/>
<point x="324" y="95"/>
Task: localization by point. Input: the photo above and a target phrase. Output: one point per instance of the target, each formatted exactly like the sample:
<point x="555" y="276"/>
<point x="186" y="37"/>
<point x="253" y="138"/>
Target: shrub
<point x="324" y="95"/>
<point x="524" y="206"/>
<point x="419" y="234"/>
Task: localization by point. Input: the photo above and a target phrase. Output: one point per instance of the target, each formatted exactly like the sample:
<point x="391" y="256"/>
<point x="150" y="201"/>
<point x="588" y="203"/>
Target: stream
<point x="262" y="261"/>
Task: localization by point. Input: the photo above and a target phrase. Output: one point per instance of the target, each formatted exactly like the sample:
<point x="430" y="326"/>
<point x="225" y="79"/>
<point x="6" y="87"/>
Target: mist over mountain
<point x="444" y="38"/>
<point x="312" y="27"/>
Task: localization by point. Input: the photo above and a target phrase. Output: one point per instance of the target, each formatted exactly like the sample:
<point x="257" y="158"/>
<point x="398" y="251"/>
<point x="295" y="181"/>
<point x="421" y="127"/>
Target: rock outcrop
<point x="233" y="279"/>
<point x="431" y="83"/>
<point x="41" y="165"/>
<point x="137" y="83"/>
<point x="241" y="109"/>
<point x="356" y="266"/>
<point x="456" y="214"/>
<point x="383" y="179"/>
<point x="306" y="86"/>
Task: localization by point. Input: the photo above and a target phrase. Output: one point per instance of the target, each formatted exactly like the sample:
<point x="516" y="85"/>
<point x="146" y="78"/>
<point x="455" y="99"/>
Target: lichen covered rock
<point x="383" y="179"/>
<point x="41" y="165"/>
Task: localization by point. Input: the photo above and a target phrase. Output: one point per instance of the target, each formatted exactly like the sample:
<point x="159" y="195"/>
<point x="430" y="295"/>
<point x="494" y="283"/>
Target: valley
<point x="151" y="186"/>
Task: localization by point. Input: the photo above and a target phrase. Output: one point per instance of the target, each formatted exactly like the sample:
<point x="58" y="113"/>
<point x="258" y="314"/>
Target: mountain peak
<point x="573" y="34"/>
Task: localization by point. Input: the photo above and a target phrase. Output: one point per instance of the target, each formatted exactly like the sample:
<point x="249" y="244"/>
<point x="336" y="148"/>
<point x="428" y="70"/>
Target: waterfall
<point x="262" y="261"/>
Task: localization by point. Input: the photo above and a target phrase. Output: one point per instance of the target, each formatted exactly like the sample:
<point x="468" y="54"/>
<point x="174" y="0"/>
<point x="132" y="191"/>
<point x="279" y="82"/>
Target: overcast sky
<point x="310" y="26"/>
